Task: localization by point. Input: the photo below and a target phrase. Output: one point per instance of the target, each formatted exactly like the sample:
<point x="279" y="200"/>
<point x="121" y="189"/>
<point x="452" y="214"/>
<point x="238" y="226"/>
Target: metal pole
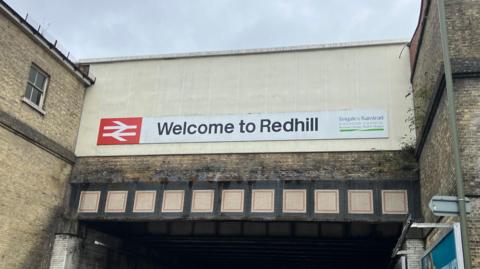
<point x="453" y="128"/>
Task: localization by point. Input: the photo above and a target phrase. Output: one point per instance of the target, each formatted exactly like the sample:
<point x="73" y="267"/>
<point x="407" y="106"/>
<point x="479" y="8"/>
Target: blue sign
<point x="446" y="254"/>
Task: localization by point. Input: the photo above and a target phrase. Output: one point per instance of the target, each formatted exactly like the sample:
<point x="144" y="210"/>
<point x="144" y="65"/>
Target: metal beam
<point x="406" y="227"/>
<point x="431" y="225"/>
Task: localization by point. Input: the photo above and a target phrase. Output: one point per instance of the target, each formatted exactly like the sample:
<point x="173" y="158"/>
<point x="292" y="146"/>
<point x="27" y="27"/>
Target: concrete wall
<point x="336" y="78"/>
<point x="36" y="151"/>
<point x="433" y="132"/>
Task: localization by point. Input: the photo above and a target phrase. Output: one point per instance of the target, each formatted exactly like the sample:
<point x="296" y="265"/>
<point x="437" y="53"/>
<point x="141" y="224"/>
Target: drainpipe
<point x="453" y="128"/>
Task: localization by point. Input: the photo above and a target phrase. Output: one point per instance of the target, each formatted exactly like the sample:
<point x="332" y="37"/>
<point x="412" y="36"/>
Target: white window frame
<point x="43" y="91"/>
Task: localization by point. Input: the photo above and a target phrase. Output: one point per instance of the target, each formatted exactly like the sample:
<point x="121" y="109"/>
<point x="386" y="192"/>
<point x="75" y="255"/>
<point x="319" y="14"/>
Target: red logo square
<point x="116" y="131"/>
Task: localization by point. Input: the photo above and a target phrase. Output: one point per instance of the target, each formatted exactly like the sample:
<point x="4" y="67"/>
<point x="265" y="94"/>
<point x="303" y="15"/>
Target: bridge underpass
<point x="239" y="244"/>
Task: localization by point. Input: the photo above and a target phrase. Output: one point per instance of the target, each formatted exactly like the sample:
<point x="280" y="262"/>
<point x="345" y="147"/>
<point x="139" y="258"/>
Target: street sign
<point x="446" y="253"/>
<point x="447" y="205"/>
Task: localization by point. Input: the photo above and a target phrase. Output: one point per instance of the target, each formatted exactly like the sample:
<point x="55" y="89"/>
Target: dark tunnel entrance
<point x="238" y="244"/>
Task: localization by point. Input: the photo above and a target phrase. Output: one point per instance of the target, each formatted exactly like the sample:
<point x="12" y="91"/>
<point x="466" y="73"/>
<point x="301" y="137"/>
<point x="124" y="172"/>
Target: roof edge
<point x="45" y="43"/>
<point x="244" y="51"/>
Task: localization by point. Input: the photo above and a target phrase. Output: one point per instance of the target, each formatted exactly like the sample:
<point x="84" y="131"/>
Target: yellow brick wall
<point x="64" y="96"/>
<point x="32" y="184"/>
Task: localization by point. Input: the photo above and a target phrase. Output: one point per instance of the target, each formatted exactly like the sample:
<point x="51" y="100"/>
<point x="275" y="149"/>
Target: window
<point x="36" y="87"/>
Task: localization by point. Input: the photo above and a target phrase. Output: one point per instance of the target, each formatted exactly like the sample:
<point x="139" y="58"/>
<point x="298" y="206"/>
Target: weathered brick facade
<point x="33" y="185"/>
<point x="434" y="148"/>
<point x="462" y="18"/>
<point x="243" y="167"/>
<point x="63" y="104"/>
<point x="36" y="150"/>
<point x="414" y="249"/>
<point x="474" y="234"/>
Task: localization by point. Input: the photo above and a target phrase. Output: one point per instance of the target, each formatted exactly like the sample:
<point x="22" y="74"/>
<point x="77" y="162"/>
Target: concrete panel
<point x="294" y="201"/>
<point x="263" y="200"/>
<point x="326" y="201"/>
<point x="144" y="201"/>
<point x="360" y="201"/>
<point x="202" y="200"/>
<point x="173" y="201"/>
<point x="116" y="201"/>
<point x="89" y="201"/>
<point x="232" y="200"/>
<point x="291" y="81"/>
<point x="394" y="202"/>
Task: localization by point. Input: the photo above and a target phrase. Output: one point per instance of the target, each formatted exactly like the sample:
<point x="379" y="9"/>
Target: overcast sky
<point x="108" y="28"/>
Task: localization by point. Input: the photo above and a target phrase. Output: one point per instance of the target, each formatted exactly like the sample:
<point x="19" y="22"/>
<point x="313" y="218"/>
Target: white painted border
<point x="182" y="206"/>
<point x="242" y="202"/>
<point x="210" y="210"/>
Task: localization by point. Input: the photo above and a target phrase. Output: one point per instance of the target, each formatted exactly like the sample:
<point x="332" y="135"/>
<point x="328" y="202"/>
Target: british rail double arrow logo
<point x="119" y="131"/>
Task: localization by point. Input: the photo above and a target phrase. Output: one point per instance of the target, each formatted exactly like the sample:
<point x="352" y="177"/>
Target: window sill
<point x="34" y="106"/>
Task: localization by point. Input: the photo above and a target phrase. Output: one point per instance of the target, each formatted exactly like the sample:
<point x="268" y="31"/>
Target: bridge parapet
<point x="325" y="200"/>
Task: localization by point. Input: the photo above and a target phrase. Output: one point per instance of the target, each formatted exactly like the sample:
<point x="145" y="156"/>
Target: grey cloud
<point x="117" y="27"/>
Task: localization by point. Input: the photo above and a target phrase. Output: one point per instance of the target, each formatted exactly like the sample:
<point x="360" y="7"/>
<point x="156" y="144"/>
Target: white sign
<point x="352" y="124"/>
<point x="447" y="205"/>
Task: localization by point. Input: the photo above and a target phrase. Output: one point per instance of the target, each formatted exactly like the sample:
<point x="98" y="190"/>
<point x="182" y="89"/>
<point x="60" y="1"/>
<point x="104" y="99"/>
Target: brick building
<point x="434" y="145"/>
<point x="40" y="105"/>
<point x="295" y="157"/>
